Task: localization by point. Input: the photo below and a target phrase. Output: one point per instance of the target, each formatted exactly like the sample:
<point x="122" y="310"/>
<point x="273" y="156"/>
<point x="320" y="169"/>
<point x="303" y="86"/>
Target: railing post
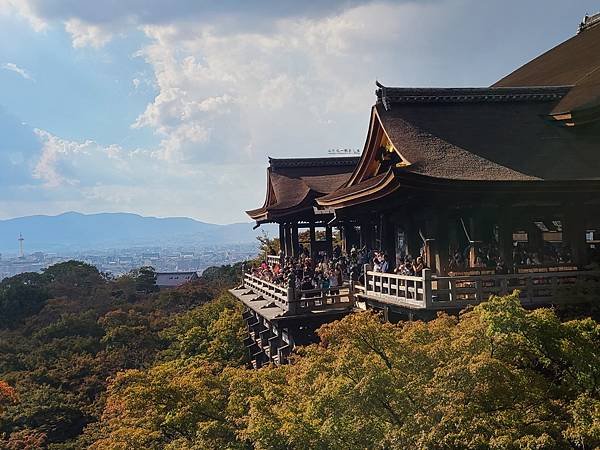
<point x="365" y="270"/>
<point x="529" y="286"/>
<point x="478" y="290"/>
<point x="291" y="295"/>
<point x="427" y="288"/>
<point x="504" y="285"/>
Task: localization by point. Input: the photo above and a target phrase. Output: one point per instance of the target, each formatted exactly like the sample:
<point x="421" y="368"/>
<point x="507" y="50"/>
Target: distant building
<point x="174" y="279"/>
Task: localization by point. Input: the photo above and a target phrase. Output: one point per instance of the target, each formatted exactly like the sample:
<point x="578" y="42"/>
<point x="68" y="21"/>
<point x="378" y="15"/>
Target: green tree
<point x="145" y="279"/>
<point x="21" y="296"/>
<point x="268" y="245"/>
<point x="498" y="377"/>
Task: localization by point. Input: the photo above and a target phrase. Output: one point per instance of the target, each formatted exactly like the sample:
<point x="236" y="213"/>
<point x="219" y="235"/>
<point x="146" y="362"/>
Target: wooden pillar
<point x="366" y="234"/>
<point x="351" y="238"/>
<point x="413" y="239"/>
<point x="282" y="238"/>
<point x="288" y="240"/>
<point x="476" y="235"/>
<point x="535" y="238"/>
<point x="295" y="242"/>
<point x="344" y="238"/>
<point x="430" y="243"/>
<point x="388" y="241"/>
<point x="442" y="242"/>
<point x="329" y="240"/>
<point x="313" y="241"/>
<point x="574" y="233"/>
<point x="505" y="235"/>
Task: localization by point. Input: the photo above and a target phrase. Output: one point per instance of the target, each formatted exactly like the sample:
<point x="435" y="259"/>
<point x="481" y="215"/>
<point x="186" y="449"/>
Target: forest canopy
<point x="101" y="367"/>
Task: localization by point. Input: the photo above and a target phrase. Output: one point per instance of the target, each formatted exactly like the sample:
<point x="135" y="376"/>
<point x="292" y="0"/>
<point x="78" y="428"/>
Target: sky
<point x="171" y="108"/>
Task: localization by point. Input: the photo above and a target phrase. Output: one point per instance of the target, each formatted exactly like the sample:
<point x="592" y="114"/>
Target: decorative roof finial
<point x="589" y="21"/>
<point x="380" y="92"/>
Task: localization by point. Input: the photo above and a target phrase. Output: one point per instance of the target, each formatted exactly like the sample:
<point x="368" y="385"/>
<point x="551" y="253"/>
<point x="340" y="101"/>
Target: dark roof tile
<point x="574" y="62"/>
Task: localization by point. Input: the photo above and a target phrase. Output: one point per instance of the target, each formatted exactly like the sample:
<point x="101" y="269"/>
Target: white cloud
<point x="297" y="89"/>
<point x="19" y="70"/>
<point x="24" y="9"/>
<point x="54" y="150"/>
<point x="84" y="34"/>
<point x="225" y="99"/>
<point x="89" y="177"/>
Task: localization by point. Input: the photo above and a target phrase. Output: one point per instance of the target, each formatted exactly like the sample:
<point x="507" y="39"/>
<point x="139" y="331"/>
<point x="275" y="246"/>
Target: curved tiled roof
<point x="509" y="141"/>
<point x="294" y="184"/>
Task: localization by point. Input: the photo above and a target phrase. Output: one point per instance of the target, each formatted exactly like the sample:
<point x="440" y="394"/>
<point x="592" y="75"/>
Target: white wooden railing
<point x="267" y="290"/>
<point x="407" y="290"/>
<point x="434" y="292"/>
<point x="534" y="288"/>
<point x="301" y="301"/>
<point x="273" y="260"/>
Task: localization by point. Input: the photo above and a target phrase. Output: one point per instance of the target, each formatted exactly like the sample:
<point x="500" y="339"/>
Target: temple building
<point x="492" y="189"/>
<point x="293" y="185"/>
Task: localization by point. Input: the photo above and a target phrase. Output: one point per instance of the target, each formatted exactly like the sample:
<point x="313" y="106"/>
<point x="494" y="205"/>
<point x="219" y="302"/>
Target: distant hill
<point x="75" y="231"/>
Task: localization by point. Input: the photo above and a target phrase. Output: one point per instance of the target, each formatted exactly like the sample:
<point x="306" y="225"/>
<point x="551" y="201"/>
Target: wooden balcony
<point x="286" y="301"/>
<point x="279" y="317"/>
<point x="430" y="292"/>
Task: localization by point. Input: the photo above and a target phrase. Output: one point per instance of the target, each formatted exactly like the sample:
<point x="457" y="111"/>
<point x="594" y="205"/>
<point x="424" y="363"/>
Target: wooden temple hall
<point x="495" y="189"/>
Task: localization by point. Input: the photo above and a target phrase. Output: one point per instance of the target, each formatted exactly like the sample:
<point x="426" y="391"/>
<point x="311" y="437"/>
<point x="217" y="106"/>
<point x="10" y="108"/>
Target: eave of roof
<point x="368" y="190"/>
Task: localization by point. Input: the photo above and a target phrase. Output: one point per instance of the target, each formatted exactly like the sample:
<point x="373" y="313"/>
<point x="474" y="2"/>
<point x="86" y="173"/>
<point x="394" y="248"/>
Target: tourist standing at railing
<point x="333" y="282"/>
<point x="384" y="265"/>
<point x="325" y="285"/>
<point x="376" y="262"/>
<point x="419" y="266"/>
<point x="337" y="252"/>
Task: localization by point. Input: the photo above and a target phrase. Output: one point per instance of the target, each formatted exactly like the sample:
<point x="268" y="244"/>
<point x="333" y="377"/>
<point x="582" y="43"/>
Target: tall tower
<point x="21" y="239"/>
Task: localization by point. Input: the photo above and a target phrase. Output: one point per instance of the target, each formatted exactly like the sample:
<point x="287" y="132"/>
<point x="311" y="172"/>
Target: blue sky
<point x="171" y="108"/>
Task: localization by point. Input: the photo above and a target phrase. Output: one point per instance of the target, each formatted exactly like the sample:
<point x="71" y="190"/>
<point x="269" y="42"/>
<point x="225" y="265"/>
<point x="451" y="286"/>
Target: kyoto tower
<point x="21" y="239"/>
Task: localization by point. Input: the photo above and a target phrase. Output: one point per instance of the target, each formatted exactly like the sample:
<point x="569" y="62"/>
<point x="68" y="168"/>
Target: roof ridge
<point x="389" y="95"/>
<point x="313" y="162"/>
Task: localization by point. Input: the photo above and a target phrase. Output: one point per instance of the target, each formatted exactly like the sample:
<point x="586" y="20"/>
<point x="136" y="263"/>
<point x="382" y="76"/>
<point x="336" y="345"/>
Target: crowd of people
<point x="305" y="272"/>
<point x="487" y="256"/>
<point x="329" y="273"/>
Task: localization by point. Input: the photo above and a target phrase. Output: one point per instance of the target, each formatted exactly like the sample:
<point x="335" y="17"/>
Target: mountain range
<point x="74" y="231"/>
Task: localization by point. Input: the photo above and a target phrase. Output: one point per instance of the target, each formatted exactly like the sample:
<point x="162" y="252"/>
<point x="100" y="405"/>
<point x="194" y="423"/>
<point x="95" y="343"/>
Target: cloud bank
<point x="236" y="81"/>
